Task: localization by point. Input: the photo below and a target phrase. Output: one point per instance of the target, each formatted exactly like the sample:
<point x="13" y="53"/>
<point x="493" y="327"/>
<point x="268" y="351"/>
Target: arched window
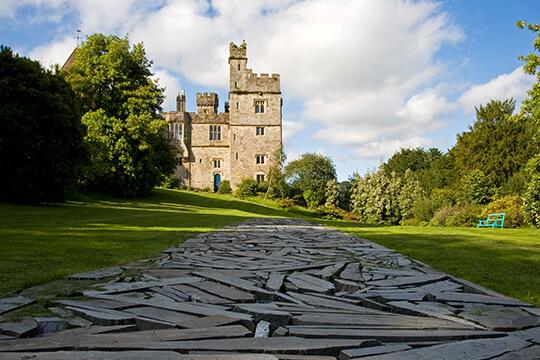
<point x="259" y="106"/>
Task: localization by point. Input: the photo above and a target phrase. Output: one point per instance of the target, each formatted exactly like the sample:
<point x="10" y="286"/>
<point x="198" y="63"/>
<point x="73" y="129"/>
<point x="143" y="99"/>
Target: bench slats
<point x="493" y="221"/>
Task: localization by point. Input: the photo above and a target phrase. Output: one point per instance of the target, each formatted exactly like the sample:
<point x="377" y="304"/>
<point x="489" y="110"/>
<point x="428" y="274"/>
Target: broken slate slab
<point x="14" y="303"/>
<point x="224" y="291"/>
<point x="51" y="324"/>
<point x="307" y="283"/>
<point x="500" y="318"/>
<point x="98" y="274"/>
<point x="275" y="281"/>
<point x="370" y="351"/>
<point x="262" y="330"/>
<point x="467" y="349"/>
<point x="27" y="327"/>
<point x="407" y="281"/>
<point x="103" y="317"/>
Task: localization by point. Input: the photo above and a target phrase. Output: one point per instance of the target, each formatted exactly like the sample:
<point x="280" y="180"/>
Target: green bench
<point x="493" y="221"/>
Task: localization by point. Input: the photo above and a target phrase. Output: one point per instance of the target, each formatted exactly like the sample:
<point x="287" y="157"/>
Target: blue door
<point x="217" y="180"/>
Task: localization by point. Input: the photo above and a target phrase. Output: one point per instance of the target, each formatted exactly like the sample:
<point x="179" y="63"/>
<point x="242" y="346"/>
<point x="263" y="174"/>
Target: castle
<point x="240" y="142"/>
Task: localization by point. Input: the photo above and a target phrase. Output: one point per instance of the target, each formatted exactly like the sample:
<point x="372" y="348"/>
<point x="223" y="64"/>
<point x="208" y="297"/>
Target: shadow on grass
<point x="44" y="243"/>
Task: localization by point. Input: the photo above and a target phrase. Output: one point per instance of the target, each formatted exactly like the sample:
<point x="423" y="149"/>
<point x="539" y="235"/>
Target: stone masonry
<point x="240" y="142"/>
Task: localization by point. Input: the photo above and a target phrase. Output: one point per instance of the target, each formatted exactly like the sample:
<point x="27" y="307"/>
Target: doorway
<point x="217" y="180"/>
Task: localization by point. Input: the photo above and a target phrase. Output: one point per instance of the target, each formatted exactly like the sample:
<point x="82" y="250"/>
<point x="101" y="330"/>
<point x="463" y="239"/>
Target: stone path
<point x="277" y="289"/>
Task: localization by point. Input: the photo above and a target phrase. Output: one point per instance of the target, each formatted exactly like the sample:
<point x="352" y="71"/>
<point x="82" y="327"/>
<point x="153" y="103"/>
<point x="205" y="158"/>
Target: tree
<point x="248" y="187"/>
<point x="311" y="172"/>
<point x="277" y="187"/>
<point x="495" y="144"/>
<point x="129" y="154"/>
<point x="410" y="192"/>
<point x="42" y="151"/>
<point x="531" y="110"/>
<point x="375" y="197"/>
<point x="332" y="193"/>
<point x="433" y="169"/>
<point x="477" y="188"/>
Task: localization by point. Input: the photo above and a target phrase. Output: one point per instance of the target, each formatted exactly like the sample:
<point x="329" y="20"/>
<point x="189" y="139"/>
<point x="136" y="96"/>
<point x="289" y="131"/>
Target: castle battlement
<point x="259" y="82"/>
<point x="207" y="102"/>
<point x="238" y="52"/>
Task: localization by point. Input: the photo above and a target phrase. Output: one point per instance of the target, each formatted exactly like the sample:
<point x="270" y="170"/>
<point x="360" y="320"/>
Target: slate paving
<point x="276" y="289"/>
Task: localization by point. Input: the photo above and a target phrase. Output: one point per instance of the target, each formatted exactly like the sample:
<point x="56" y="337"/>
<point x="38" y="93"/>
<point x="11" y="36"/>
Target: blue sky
<point x="360" y="78"/>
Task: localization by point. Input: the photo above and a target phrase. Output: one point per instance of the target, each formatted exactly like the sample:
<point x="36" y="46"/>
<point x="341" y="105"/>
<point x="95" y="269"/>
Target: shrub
<point x="423" y="209"/>
<point x="224" y="187"/>
<point x="285" y="203"/>
<point x="510" y="206"/>
<point x="248" y="187"/>
<point x="468" y="216"/>
<point x="531" y="201"/>
<point x="477" y="188"/>
<point x="171" y="182"/>
<point x="311" y="198"/>
<point x="330" y="212"/>
<point x="299" y="200"/>
<point x="443" y="214"/>
<point x="190" y="188"/>
<point x="206" y="189"/>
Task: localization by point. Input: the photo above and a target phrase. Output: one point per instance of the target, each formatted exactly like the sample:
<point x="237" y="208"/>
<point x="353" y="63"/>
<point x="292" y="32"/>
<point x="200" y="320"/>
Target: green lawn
<point x="43" y="243"/>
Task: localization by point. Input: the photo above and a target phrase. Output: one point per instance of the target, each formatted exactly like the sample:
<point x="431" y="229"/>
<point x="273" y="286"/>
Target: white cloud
<point x="514" y="85"/>
<point x="387" y="147"/>
<point x="290" y="129"/>
<point x="363" y="70"/>
<point x="171" y="84"/>
<point x="56" y="52"/>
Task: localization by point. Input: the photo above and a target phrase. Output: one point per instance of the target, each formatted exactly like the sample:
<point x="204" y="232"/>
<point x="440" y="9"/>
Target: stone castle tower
<point x="240" y="142"/>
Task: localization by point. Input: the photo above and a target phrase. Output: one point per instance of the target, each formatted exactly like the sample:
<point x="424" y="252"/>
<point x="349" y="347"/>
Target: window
<point x="236" y="156"/>
<point x="179" y="161"/>
<point x="260" y="159"/>
<point x="260" y="178"/>
<point x="260" y="130"/>
<point x="175" y="131"/>
<point x="259" y="106"/>
<point x="217" y="163"/>
<point x="215" y="132"/>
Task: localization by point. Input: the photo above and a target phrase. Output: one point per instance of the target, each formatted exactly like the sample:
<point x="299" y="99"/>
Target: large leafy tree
<point x="375" y="197"/>
<point x="530" y="110"/>
<point x="120" y="101"/>
<point x="41" y="136"/>
<point x="496" y="143"/>
<point x="433" y="169"/>
<point x="309" y="174"/>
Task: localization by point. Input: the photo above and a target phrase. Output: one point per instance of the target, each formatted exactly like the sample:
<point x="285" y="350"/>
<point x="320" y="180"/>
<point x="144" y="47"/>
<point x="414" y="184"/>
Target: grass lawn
<point x="43" y="243"/>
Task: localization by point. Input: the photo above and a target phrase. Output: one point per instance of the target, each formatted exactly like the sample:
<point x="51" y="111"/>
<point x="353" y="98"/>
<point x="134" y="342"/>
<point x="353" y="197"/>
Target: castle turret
<point x="207" y="103"/>
<point x="237" y="64"/>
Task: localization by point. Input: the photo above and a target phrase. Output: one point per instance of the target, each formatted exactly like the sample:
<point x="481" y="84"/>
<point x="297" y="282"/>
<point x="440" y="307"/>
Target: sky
<point x="360" y="79"/>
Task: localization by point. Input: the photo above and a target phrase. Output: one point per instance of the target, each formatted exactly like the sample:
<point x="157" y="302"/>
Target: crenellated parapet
<point x="250" y="82"/>
<point x="207" y="103"/>
<point x="238" y="52"/>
